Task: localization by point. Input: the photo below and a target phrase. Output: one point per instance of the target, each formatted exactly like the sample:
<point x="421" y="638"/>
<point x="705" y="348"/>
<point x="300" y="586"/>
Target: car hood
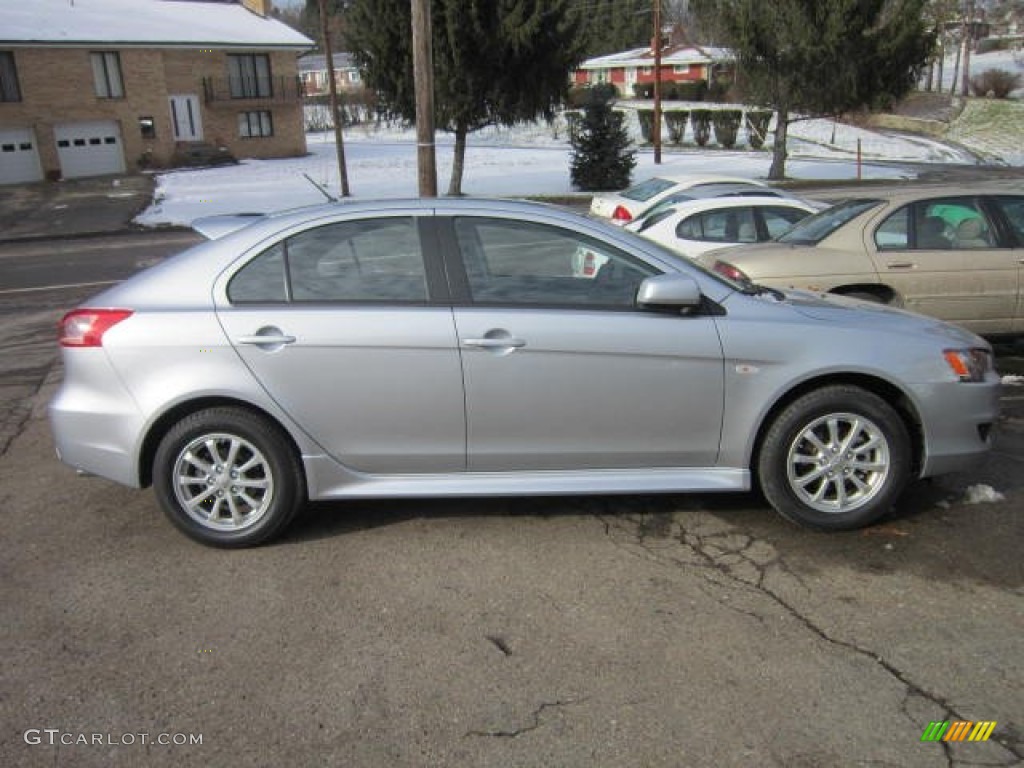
<point x="832" y="308"/>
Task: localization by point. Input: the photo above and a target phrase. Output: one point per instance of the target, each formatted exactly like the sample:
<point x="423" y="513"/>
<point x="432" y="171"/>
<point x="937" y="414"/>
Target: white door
<point x="19" y="156"/>
<point x="186" y="120"/>
<point x="89" y="148"/>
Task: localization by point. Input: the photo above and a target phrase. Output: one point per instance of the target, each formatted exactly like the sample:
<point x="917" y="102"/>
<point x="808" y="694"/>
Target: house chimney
<point x="259" y="7"/>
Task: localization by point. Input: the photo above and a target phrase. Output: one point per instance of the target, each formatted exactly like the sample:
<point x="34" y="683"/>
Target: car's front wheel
<point x="835" y="458"/>
<point x="228" y="477"/>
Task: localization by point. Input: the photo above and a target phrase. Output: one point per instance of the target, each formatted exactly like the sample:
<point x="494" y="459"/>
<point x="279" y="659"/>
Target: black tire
<point x="834" y="459"/>
<point x="247" y="496"/>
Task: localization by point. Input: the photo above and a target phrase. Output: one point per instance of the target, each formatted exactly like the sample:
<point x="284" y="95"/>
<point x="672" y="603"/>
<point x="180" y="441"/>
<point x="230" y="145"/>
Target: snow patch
<point x="982" y="494"/>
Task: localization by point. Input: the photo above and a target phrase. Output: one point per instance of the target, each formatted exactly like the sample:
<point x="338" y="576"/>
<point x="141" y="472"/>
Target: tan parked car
<point x="955" y="254"/>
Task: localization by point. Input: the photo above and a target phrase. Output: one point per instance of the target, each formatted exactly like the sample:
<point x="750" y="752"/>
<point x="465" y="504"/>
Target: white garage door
<point x="89" y="149"/>
<point x="19" y="156"/>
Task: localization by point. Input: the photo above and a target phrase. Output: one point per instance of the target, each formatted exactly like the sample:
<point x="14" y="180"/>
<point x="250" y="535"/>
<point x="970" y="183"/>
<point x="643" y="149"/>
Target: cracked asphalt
<point x="599" y="631"/>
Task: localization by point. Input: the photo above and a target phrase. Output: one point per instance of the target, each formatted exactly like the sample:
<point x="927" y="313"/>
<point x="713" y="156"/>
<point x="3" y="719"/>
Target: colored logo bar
<point x="959" y="730"/>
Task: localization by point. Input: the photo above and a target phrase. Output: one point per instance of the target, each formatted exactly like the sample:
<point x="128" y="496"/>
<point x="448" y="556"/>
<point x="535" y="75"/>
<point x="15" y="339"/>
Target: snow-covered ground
<point x="534" y="160"/>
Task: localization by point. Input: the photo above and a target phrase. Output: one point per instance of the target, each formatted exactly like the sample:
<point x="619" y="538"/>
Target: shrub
<point x="692" y="90"/>
<point x="997" y="82"/>
<point x="581" y="95"/>
<point x="601" y="158"/>
<point x="646" y="118"/>
<point x="676" y="121"/>
<point x="757" y="127"/>
<point x="727" y="125"/>
<point x="701" y="119"/>
<point x="718" y="90"/>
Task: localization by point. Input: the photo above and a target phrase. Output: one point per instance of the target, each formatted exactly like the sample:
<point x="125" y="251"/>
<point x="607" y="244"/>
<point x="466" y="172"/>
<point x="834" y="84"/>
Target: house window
<point x="681" y="69"/>
<point x="249" y="76"/>
<point x="106" y="74"/>
<point x="9" y="90"/>
<point x="147" y="127"/>
<point x="647" y="70"/>
<point x="254" y="124"/>
<point x="353" y="76"/>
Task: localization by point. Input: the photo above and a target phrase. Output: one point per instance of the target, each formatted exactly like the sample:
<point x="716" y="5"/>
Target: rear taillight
<point x="731" y="272"/>
<point x="85" y="327"/>
<point x="621" y="213"/>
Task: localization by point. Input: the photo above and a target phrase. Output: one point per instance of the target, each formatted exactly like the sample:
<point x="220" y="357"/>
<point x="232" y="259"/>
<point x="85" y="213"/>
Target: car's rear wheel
<point x="835" y="458"/>
<point x="228" y="477"/>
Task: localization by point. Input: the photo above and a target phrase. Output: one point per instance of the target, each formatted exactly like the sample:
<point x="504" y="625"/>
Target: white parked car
<point x="694" y="227"/>
<point x="623" y="207"/>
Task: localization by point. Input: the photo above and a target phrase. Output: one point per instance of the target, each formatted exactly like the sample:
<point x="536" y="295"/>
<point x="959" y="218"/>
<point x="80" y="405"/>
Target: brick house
<point x="679" y="64"/>
<point x="313" y="73"/>
<point x="91" y="87"/>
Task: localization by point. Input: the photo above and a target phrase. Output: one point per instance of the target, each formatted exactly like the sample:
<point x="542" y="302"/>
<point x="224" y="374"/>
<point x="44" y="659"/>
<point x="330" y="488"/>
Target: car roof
<point x="700" y="179"/>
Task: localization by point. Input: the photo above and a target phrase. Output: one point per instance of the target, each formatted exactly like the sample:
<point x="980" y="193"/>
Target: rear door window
<point x="372" y="260"/>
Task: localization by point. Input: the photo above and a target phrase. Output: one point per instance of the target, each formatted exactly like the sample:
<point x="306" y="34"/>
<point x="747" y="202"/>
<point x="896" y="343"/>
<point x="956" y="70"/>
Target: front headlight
<point x="969" y="364"/>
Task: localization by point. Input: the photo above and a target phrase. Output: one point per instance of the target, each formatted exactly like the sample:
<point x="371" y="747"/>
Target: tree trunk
<point x="458" y="162"/>
<point x="778" y="170"/>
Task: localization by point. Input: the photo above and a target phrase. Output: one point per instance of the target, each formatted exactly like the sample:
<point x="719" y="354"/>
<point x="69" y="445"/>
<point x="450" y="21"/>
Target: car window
<point x="657" y="214"/>
<point x="645" y="190"/>
<point x="367" y="260"/>
<point x="964" y="223"/>
<point x="726" y="225"/>
<point x="815" y="228"/>
<point x="1013" y="209"/>
<point x="514" y="262"/>
<point x="893" y="234"/>
<point x="262" y="280"/>
<point x="779" y="220"/>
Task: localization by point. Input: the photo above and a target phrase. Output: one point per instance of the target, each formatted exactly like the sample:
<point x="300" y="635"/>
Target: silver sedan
<point x="446" y="348"/>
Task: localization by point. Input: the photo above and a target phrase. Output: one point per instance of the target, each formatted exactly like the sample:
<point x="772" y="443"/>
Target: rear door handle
<point x="901" y="265"/>
<point x="499" y="343"/>
<point x="269" y="338"/>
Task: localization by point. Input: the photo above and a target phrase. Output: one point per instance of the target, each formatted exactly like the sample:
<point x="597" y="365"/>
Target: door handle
<point x="267" y="340"/>
<point x="268" y="337"/>
<point x="499" y="343"/>
<point x="901" y="265"/>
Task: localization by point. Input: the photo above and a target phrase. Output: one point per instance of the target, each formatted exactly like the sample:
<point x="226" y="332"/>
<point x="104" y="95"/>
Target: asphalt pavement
<point x="606" y="631"/>
<point x="73" y="208"/>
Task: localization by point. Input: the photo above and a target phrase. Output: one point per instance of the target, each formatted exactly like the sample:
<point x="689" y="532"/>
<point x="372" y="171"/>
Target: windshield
<point x="815" y="228"/>
<point x="645" y="190"/>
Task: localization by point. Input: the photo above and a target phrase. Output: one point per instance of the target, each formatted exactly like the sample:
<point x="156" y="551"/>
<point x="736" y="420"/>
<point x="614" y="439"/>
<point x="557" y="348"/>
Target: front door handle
<point x="901" y="265"/>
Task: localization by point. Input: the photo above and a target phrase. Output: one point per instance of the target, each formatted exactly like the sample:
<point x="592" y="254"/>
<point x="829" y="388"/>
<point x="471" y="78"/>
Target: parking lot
<point x="597" y="631"/>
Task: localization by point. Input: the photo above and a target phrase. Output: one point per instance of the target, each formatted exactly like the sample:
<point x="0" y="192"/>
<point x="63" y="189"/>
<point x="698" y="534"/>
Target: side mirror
<point x="674" y="290"/>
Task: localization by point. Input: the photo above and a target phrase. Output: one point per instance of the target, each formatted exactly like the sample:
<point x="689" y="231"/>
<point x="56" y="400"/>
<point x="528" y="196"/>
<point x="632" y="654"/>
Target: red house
<point x="679" y="63"/>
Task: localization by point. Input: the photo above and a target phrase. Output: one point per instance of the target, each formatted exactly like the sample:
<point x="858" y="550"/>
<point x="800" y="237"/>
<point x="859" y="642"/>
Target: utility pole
<point x="335" y="113"/>
<point x="656" y="130"/>
<point x="968" y="37"/>
<point x="423" y="75"/>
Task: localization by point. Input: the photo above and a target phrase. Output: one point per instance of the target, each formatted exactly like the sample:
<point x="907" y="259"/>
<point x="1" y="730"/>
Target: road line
<point x="58" y="287"/>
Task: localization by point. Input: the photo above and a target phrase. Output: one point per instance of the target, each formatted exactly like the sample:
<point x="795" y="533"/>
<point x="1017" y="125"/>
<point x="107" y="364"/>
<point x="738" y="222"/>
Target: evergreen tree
<point x="615" y="25"/>
<point x="601" y="157"/>
<point x="821" y="58"/>
<point x="496" y="62"/>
